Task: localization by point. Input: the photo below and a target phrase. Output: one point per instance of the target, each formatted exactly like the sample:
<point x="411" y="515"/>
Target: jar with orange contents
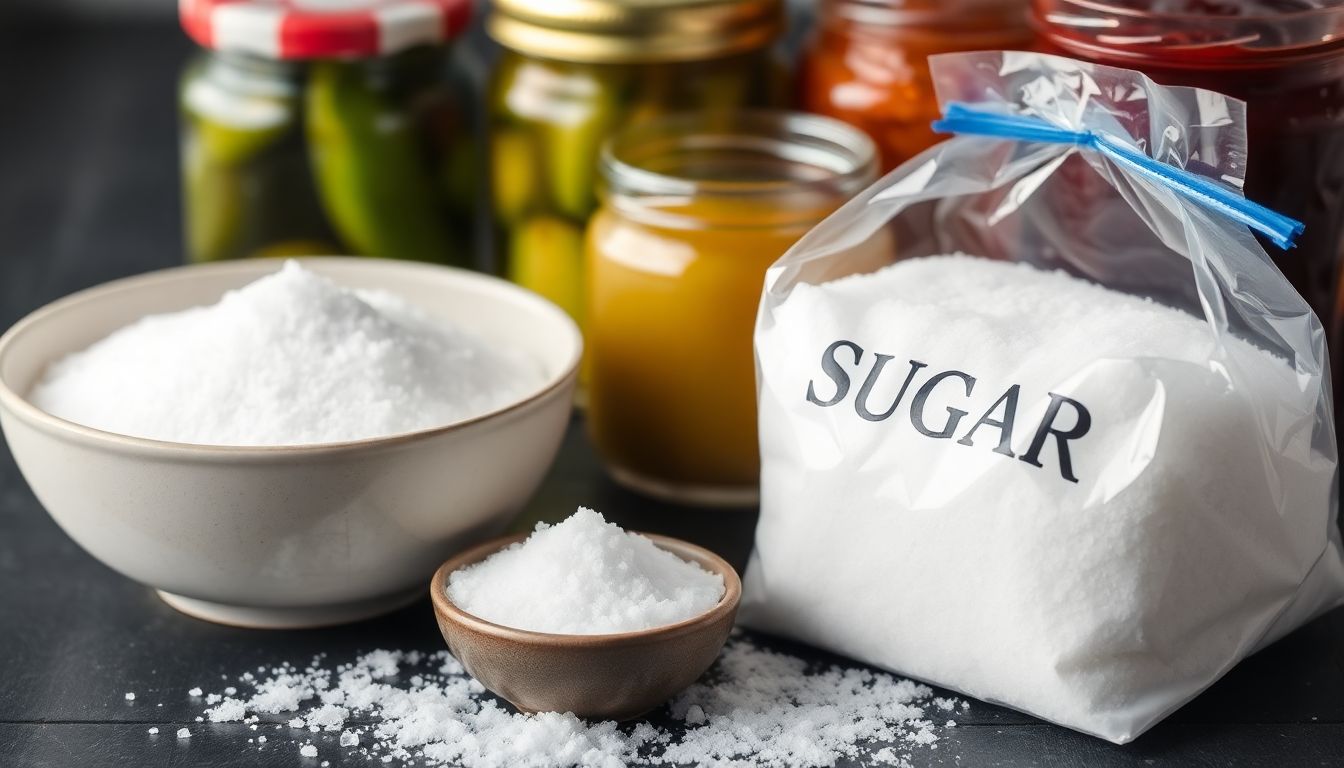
<point x="868" y="62"/>
<point x="693" y="214"/>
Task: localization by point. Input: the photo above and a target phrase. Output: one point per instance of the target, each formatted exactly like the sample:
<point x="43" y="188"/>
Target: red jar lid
<point x="316" y="29"/>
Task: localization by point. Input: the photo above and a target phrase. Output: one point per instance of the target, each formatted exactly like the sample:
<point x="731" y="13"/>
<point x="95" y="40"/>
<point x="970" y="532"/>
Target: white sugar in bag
<point x="1016" y="475"/>
<point x="914" y="529"/>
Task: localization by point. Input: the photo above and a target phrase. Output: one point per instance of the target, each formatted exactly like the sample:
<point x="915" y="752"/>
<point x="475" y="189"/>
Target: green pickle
<point x="572" y="145"/>
<point x="218" y="155"/>
<point x="517" y="177"/>
<point x="370" y="172"/>
<point x="546" y="256"/>
<point x="213" y="208"/>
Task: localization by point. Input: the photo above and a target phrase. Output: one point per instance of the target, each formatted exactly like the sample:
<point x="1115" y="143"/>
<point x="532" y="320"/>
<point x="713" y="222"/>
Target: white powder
<point x="153" y="731"/>
<point x="183" y="733"/>
<point x="308" y="750"/>
<point x="130" y="697"/>
<point x="754" y="709"/>
<point x="229" y="711"/>
<point x="584" y="576"/>
<point x="290" y="359"/>
<point x="195" y="692"/>
<point x="1196" y="515"/>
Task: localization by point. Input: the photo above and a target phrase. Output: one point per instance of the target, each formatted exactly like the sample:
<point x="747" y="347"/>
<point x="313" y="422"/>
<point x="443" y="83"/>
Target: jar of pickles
<point x="311" y="129"/>
<point x="1285" y="59"/>
<point x="867" y="63"/>
<point x="694" y="211"/>
<point x="573" y="73"/>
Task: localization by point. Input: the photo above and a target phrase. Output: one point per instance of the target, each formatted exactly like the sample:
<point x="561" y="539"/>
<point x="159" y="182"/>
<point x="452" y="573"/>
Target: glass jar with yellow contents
<point x="694" y="212"/>
<point x="573" y="73"/>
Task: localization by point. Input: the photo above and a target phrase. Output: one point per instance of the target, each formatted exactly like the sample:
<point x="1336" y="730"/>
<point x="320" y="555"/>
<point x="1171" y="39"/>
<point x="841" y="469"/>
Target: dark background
<point x="88" y="192"/>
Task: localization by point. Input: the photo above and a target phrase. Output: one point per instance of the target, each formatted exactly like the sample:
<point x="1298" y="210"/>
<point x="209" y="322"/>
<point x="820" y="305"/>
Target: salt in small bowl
<point x="599" y="677"/>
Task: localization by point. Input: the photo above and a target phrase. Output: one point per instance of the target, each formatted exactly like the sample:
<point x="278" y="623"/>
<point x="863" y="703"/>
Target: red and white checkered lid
<point x="316" y="29"/>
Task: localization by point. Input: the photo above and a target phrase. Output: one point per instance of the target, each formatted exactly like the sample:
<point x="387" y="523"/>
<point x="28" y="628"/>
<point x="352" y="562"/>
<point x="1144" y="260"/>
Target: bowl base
<point x="253" y="617"/>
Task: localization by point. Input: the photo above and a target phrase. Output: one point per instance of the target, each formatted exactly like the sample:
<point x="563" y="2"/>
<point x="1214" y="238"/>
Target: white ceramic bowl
<point x="289" y="536"/>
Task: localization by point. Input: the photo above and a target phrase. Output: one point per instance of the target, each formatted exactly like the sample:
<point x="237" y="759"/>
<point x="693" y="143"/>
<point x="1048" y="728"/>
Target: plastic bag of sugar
<point x="1083" y="472"/>
<point x="1075" y="518"/>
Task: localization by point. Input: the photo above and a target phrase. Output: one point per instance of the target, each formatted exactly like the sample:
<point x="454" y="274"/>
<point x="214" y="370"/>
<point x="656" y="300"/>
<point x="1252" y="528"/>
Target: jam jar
<point x="867" y="62"/>
<point x="570" y="75"/>
<point x="1285" y="59"/>
<point x="694" y="212"/>
<point x="309" y="129"/>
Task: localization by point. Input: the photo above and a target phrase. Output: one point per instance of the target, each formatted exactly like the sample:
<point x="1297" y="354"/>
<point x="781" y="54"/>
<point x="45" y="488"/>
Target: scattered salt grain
<point x="229" y="711"/>
<point x="261" y="739"/>
<point x="153" y="731"/>
<point x="584" y="576"/>
<point x="230" y="691"/>
<point x="756" y="708"/>
<point x="292" y="358"/>
<point x="296" y="723"/>
<point x="195" y="692"/>
<point x="308" y="750"/>
<point x="183" y="733"/>
<point x="130" y="697"/>
<point x="213" y="698"/>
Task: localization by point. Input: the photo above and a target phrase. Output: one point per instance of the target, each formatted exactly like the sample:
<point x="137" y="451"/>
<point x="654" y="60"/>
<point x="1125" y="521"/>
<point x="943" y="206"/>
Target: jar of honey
<point x="573" y="73"/>
<point x="867" y="63"/>
<point x="694" y="212"/>
<point x="1285" y="59"/>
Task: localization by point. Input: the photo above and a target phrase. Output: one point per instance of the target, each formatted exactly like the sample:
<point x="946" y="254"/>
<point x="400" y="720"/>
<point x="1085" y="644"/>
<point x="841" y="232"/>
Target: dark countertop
<point x="88" y="192"/>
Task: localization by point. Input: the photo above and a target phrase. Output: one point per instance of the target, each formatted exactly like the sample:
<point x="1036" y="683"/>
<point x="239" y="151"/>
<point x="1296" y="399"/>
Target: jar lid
<point x="316" y="29"/>
<point x="1011" y="14"/>
<point x="635" y="30"/>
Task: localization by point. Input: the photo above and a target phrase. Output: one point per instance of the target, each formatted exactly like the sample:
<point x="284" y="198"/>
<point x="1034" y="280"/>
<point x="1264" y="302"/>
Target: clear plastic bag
<point x="1198" y="521"/>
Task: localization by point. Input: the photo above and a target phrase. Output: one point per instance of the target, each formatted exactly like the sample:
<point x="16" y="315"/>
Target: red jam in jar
<point x="1285" y="59"/>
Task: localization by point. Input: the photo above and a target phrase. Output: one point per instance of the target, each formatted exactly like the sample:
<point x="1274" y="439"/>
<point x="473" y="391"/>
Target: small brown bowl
<point x="599" y="677"/>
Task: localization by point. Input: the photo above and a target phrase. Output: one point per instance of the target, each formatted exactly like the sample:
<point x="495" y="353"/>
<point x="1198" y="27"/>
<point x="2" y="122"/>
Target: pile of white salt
<point x="756" y="708"/>
<point x="290" y="359"/>
<point x="584" y="576"/>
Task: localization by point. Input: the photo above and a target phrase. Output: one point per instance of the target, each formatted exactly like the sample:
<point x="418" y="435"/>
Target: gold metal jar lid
<point x="610" y="31"/>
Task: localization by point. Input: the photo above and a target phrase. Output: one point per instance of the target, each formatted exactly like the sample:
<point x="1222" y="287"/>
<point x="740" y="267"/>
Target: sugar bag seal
<point x="1072" y="452"/>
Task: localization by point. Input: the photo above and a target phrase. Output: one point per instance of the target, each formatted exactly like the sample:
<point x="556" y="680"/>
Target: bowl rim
<point x="20" y="406"/>
<point x="448" y="611"/>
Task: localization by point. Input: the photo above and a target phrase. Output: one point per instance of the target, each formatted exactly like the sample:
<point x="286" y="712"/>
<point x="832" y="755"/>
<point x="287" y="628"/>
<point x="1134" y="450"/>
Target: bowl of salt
<point x="585" y="617"/>
<point x="288" y="446"/>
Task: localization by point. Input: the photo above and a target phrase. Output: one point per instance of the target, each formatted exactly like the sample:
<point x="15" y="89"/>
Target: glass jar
<point x="320" y="132"/>
<point x="867" y="63"/>
<point x="571" y="75"/>
<point x="1285" y="59"/>
<point x="694" y="212"/>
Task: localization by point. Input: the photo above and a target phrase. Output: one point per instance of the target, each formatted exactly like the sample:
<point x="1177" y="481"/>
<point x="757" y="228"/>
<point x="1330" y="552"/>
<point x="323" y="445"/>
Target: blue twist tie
<point x="1280" y="229"/>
